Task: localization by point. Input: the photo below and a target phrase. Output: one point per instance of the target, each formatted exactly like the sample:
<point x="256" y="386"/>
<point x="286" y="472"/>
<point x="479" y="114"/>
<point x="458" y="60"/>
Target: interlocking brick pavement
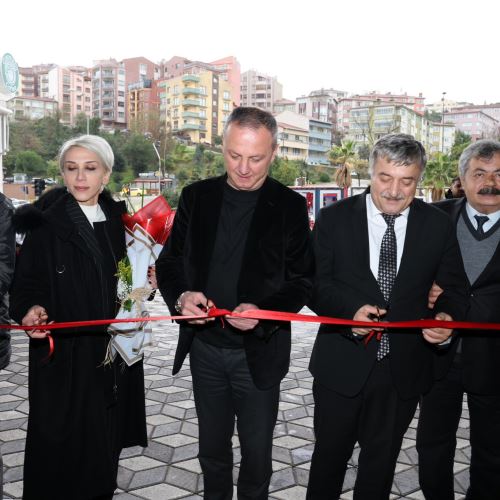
<point x="168" y="467"/>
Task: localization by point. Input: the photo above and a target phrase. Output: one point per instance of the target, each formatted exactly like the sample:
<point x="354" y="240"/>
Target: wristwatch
<point x="178" y="302"/>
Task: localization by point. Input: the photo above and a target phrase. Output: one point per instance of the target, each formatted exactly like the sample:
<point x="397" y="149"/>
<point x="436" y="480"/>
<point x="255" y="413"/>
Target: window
<point x="226" y="95"/>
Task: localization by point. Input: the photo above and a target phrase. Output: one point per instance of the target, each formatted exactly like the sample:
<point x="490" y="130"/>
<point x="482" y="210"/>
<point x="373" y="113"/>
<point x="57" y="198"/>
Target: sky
<point x="429" y="46"/>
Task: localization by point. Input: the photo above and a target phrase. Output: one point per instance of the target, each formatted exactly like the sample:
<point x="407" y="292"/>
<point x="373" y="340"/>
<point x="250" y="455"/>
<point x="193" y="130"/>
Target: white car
<point x="18" y="203"/>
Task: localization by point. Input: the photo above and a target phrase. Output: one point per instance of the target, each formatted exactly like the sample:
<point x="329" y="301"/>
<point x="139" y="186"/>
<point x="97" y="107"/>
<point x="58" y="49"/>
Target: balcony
<point x="193" y="114"/>
<point x="192" y="91"/>
<point x="191" y="102"/>
<point x="318" y="148"/>
<point x="191" y="78"/>
<point x="327" y="136"/>
<point x="193" y="126"/>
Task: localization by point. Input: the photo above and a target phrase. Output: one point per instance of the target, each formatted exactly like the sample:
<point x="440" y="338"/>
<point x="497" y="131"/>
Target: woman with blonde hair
<point x="82" y="411"/>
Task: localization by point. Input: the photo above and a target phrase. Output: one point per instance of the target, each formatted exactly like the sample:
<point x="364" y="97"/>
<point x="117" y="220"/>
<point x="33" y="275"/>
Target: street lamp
<point x="442" y="123"/>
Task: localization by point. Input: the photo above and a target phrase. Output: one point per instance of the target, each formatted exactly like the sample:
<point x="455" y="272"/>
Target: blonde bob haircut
<point x="93" y="143"/>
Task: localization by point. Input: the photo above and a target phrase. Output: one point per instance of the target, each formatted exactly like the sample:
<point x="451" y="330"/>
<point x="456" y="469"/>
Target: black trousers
<point x="223" y="389"/>
<point x="440" y="412"/>
<point x="377" y="418"/>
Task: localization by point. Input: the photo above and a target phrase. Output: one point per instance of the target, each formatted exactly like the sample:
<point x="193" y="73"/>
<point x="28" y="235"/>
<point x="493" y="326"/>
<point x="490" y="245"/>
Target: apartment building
<point x="31" y="108"/>
<point x="229" y="69"/>
<point x="474" y="122"/>
<point x="415" y="103"/>
<point x="196" y="104"/>
<point x="321" y="105"/>
<point x="231" y="72"/>
<point x="283" y="105"/>
<point x="320" y="142"/>
<point x="371" y="122"/>
<point x="260" y="90"/>
<point x="108" y="93"/>
<point x="139" y="73"/>
<point x="293" y="136"/>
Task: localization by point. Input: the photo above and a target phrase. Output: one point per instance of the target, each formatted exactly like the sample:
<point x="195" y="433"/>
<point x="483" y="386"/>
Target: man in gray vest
<point x="472" y="363"/>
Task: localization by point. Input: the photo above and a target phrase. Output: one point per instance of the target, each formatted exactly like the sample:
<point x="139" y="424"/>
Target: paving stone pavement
<point x="168" y="467"/>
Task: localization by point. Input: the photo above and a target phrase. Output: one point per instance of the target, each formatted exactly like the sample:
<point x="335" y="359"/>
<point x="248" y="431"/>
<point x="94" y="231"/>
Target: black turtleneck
<point x="222" y="284"/>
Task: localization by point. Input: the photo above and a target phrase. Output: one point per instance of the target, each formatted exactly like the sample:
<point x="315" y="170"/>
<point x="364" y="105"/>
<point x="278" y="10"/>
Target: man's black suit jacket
<point x="276" y="271"/>
<point x="480" y="349"/>
<point x="344" y="283"/>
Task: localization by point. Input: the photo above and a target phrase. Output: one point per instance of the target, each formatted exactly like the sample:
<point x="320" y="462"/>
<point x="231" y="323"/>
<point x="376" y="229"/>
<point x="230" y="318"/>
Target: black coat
<point x="480" y="349"/>
<point x="275" y="274"/>
<point x="81" y="413"/>
<point x="344" y="283"/>
<point x="7" y="258"/>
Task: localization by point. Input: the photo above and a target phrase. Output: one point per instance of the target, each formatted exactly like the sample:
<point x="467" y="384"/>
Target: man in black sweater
<point x="240" y="242"/>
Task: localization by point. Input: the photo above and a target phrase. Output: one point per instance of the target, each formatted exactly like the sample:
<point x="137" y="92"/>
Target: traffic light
<point x="39" y="185"/>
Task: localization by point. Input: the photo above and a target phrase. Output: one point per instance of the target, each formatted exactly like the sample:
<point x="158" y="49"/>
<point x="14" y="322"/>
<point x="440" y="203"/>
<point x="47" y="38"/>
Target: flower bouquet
<point x="146" y="232"/>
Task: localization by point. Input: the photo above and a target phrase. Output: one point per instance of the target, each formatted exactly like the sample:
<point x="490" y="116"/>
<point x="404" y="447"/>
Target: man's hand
<point x="243" y="324"/>
<point x="368" y="313"/>
<point x="434" y="293"/>
<point x="196" y="304"/>
<point x="36" y="315"/>
<point x="438" y="335"/>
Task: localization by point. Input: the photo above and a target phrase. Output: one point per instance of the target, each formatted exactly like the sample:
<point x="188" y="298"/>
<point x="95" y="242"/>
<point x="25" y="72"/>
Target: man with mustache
<point x="472" y="364"/>
<point x="377" y="256"/>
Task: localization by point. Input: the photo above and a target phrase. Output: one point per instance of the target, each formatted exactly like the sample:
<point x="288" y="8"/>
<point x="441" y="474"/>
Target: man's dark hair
<point x="254" y="118"/>
<point x="401" y="149"/>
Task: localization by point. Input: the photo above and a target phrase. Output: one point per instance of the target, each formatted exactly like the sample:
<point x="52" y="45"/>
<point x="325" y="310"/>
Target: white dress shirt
<point x="493" y="217"/>
<point x="376" y="229"/>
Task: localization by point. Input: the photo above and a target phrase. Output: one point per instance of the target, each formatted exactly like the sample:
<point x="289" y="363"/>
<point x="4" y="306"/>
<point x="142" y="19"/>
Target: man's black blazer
<point x="480" y="349"/>
<point x="344" y="283"/>
<point x="276" y="271"/>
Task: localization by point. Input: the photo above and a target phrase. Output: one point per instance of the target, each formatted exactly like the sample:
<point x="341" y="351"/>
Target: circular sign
<point x="9" y="75"/>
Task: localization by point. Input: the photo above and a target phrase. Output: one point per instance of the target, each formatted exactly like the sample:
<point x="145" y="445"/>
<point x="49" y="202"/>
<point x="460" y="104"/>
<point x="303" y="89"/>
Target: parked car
<point x="126" y="191"/>
<point x="17" y="203"/>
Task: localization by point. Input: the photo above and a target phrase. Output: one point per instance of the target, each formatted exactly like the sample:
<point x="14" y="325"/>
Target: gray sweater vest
<point x="476" y="251"/>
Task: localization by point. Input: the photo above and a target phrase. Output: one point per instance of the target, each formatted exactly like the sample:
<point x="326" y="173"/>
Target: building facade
<point x="367" y="124"/>
<point x="320" y="142"/>
<point x="108" y="93"/>
<point x="321" y="105"/>
<point x="293" y="136"/>
<point x="260" y="90"/>
<point x="415" y="103"/>
<point x="32" y="108"/>
<point x="231" y="72"/>
<point x="139" y="73"/>
<point x="283" y="105"/>
<point x="196" y="104"/>
<point x="474" y="122"/>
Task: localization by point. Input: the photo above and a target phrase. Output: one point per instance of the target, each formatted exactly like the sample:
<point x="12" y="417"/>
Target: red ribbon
<point x="262" y="314"/>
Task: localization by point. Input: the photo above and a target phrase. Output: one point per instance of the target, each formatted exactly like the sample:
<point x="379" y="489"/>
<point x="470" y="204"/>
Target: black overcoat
<point x="82" y="413"/>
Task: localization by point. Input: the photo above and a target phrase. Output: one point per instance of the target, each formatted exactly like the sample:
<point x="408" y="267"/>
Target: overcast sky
<point x="429" y="46"/>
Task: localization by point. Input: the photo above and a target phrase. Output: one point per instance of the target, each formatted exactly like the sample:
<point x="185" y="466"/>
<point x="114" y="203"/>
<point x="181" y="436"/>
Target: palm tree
<point x="440" y="171"/>
<point x="344" y="156"/>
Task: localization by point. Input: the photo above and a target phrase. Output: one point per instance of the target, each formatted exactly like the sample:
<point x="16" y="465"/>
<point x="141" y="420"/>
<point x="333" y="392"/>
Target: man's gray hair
<point x="93" y="143"/>
<point x="484" y="149"/>
<point x="253" y="118"/>
<point x="401" y="149"/>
